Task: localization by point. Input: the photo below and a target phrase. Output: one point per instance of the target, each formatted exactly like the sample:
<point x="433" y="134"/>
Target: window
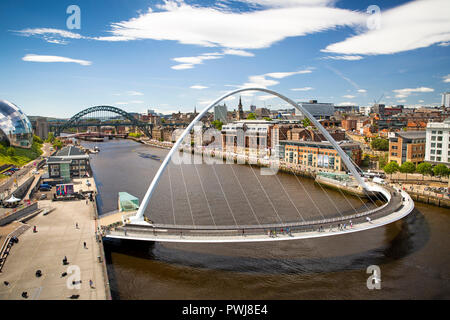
<point x="433" y="132"/>
<point x="394" y="147"/>
<point x="433" y="138"/>
<point x="433" y="151"/>
<point x="439" y="145"/>
<point x="438" y="158"/>
<point x="394" y="154"/>
<point x="439" y="132"/>
<point x="433" y="145"/>
<point x="439" y="151"/>
<point x="432" y="158"/>
<point x="440" y="138"/>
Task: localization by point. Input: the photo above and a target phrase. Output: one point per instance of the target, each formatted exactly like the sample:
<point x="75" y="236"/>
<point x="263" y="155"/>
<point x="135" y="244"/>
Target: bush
<point x="251" y="116"/>
<point x="10" y="151"/>
<point x="37" y="139"/>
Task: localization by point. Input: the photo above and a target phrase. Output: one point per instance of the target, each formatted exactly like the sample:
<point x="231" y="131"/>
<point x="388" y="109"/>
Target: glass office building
<point x="15" y="127"/>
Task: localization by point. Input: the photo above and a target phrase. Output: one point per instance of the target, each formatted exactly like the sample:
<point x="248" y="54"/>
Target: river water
<point x="413" y="254"/>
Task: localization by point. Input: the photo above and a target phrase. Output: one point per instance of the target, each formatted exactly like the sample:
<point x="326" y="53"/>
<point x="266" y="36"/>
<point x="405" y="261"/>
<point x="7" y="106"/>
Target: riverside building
<point x="318" y="155"/>
<point x="407" y="146"/>
<point x="438" y="142"/>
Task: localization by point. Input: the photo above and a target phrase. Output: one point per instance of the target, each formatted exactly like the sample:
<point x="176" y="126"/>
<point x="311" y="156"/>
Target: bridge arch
<point x="140" y="213"/>
<point x="72" y="121"/>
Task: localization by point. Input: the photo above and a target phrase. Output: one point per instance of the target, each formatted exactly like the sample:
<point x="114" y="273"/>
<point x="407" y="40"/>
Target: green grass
<point x="21" y="156"/>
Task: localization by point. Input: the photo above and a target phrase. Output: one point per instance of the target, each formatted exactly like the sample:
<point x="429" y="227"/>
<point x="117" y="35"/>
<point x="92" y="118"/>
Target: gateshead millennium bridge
<point x="397" y="205"/>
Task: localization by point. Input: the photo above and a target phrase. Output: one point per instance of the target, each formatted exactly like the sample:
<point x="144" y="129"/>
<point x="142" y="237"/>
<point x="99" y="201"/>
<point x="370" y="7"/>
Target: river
<point x="412" y="253"/>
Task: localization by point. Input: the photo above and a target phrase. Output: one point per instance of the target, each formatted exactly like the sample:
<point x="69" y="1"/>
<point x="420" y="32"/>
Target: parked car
<point x="45" y="187"/>
<point x="43" y="196"/>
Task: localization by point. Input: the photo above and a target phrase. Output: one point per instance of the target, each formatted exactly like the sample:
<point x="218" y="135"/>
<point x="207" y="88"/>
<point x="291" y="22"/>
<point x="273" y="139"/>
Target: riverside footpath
<point x="70" y="230"/>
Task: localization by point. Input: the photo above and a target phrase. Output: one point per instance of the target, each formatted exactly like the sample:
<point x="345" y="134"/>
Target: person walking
<point x="91" y="284"/>
<point x="84" y="244"/>
<point x="76" y="225"/>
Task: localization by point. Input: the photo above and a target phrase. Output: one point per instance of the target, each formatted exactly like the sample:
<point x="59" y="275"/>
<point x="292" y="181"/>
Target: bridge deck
<point x="399" y="206"/>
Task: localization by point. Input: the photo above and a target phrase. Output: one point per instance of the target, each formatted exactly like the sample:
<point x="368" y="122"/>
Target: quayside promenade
<point x="57" y="237"/>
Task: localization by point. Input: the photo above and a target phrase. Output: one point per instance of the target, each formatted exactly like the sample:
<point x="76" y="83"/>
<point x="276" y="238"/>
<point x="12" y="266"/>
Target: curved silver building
<point x="15" y="126"/>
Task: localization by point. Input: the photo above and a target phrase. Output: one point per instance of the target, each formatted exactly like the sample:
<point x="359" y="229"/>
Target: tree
<point x="251" y="116"/>
<point x="383" y="160"/>
<point x="57" y="144"/>
<point x="217" y="124"/>
<point x="441" y="170"/>
<point x="380" y="144"/>
<point x="424" y="168"/>
<point x="407" y="167"/>
<point x="306" y="122"/>
<point x="50" y="137"/>
<point x="267" y="119"/>
<point x="391" y="167"/>
<point x="37" y="139"/>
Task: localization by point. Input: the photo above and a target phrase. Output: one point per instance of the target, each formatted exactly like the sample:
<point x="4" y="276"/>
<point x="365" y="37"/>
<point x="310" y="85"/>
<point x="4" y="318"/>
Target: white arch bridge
<point x="136" y="227"/>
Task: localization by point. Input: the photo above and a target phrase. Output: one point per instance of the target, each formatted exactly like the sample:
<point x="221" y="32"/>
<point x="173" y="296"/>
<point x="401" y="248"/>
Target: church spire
<point x="240" y="115"/>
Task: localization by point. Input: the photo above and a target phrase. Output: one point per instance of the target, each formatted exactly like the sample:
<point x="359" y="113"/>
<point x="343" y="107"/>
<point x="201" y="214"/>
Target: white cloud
<point x="198" y="87"/>
<point x="348" y="103"/>
<point x="42" y="58"/>
<point x="417" y="24"/>
<point x="446" y="78"/>
<point x="51" y="35"/>
<point x="241" y="53"/>
<point x="183" y="66"/>
<point x="421" y="101"/>
<point x="348" y="96"/>
<point x="135" y="93"/>
<point x="287" y="3"/>
<point x="444" y="44"/>
<point x="403" y="93"/>
<point x="255" y="29"/>
<point x="401" y="101"/>
<point x="261" y="81"/>
<point x="281" y="75"/>
<point x="302" y="89"/>
<point x="362" y="90"/>
<point x="189" y="62"/>
<point x="349" y="57"/>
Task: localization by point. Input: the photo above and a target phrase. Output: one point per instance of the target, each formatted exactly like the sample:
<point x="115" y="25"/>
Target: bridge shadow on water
<point x="414" y="233"/>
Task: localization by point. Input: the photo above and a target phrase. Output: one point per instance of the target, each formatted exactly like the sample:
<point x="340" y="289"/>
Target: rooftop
<point x="70" y="151"/>
<point x="412" y="134"/>
<point x="319" y="144"/>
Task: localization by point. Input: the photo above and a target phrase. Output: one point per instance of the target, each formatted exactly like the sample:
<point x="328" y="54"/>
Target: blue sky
<point x="175" y="55"/>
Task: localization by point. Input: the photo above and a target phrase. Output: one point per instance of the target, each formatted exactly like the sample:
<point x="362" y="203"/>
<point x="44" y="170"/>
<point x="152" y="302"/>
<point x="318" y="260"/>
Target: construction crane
<point x="377" y="101"/>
